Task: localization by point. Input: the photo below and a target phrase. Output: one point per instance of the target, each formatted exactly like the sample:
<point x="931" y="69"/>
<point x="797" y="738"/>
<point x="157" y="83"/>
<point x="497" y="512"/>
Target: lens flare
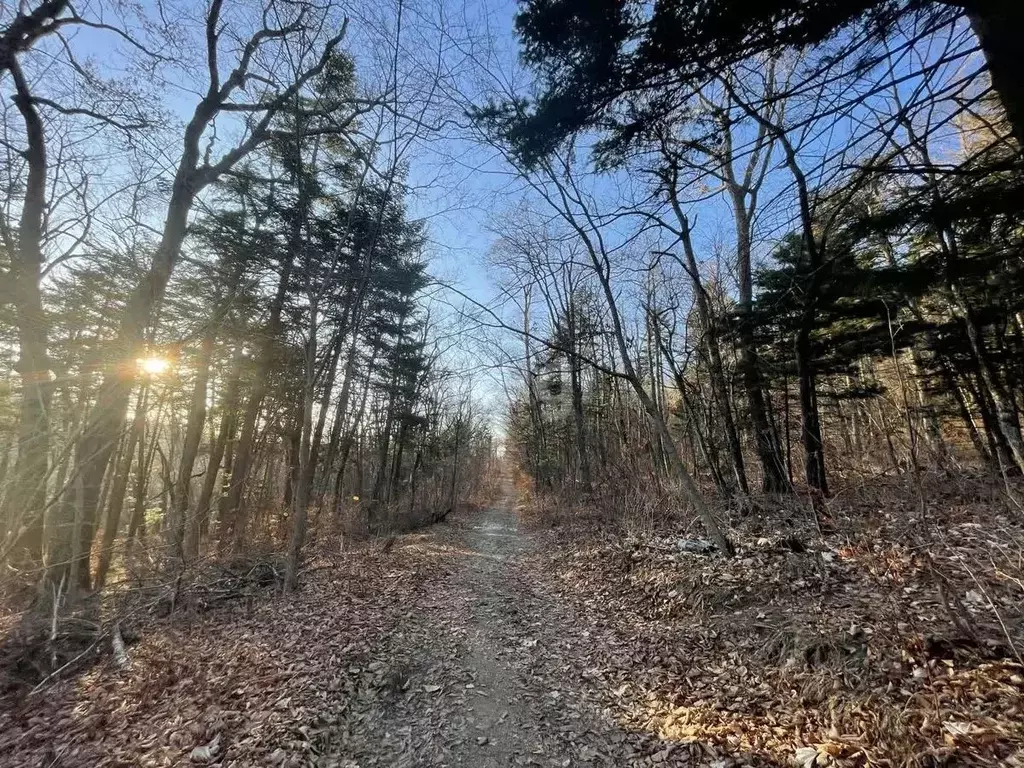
<point x="153" y="366"/>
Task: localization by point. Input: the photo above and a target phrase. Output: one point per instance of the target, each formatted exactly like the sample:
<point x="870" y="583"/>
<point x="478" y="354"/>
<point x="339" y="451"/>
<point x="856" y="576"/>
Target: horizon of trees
<point x="768" y="264"/>
<point x="786" y="256"/>
<point x="216" y="334"/>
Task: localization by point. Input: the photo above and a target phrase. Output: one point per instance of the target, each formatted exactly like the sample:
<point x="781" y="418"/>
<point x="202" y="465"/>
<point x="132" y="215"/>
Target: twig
<point x="55" y="673"/>
<point x="56" y="757"/>
<point x="53" y="622"/>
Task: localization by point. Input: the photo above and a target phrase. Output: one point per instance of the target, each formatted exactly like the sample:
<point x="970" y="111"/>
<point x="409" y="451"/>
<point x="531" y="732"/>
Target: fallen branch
<point x="117" y="645"/>
<point x="53" y="675"/>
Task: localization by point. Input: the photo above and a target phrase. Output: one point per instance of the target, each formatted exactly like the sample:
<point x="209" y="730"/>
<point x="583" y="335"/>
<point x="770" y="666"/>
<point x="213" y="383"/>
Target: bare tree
<point x="555" y="182"/>
<point x="298" y="25"/>
<point x="24" y="501"/>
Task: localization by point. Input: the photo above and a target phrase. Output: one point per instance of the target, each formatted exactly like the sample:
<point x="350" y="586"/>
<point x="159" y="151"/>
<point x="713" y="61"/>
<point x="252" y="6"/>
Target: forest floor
<point x="489" y="642"/>
<point x="442" y="651"/>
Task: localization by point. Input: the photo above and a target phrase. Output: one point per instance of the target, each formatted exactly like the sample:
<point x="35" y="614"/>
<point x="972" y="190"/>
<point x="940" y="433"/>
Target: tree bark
<point x="137" y="522"/>
<point x="236" y="511"/>
<point x="539" y="443"/>
<point x="225" y="434"/>
<point x="714" y="357"/>
<point x="115" y="504"/>
<point x="810" y="422"/>
<point x="352" y="434"/>
<point x="997" y="24"/>
<point x="233" y="517"/>
<point x="576" y="384"/>
<point x="769" y="453"/>
<point x="303" y="491"/>
<point x="1003" y="405"/>
<point x="193" y="173"/>
<point x="331" y="376"/>
<point x="25" y="501"/>
<point x="190" y="448"/>
<point x="690" y="490"/>
<point x="334" y="443"/>
<point x="99" y="438"/>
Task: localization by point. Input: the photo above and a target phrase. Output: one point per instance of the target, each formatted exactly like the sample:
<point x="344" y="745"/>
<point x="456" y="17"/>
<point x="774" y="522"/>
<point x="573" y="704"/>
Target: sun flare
<point x="153" y="366"/>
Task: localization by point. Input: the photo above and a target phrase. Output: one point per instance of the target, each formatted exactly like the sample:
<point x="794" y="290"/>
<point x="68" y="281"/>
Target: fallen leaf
<point x="207" y="752"/>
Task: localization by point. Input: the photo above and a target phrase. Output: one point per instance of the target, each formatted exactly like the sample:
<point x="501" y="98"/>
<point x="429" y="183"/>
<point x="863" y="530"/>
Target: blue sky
<point x="457" y="184"/>
<point x="460" y="186"/>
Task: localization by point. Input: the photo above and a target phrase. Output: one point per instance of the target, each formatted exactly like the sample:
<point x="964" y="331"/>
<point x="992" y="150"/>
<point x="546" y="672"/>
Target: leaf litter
<point x="890" y="642"/>
<point x="479" y="643"/>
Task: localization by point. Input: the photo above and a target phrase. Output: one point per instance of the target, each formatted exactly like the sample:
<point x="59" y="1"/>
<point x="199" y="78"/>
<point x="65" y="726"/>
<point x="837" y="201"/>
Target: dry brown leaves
<point x="893" y="642"/>
<point x="258" y="683"/>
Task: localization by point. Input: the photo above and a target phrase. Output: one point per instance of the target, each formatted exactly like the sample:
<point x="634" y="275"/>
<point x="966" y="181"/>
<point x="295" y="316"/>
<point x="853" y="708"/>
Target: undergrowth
<point x="890" y="635"/>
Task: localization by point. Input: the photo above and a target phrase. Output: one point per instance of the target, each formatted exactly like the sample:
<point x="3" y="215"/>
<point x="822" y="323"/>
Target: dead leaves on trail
<point x="848" y="651"/>
<point x="262" y="685"/>
<point x="475" y="645"/>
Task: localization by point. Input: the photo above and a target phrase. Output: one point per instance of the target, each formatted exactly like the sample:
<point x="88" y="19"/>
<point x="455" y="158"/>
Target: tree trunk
<point x="292" y="477"/>
<point x="351" y="434"/>
<point x="538" y="443"/>
<point x="137" y="523"/>
<point x="998" y="23"/>
<point x="998" y="448"/>
<point x="769" y="453"/>
<point x="714" y="356"/>
<point x="698" y="435"/>
<point x="964" y="409"/>
<point x="675" y="461"/>
<point x="106" y="420"/>
<point x="190" y="447"/>
<point x="379" y="484"/>
<point x="25" y="502"/>
<point x="700" y="441"/>
<point x="338" y="435"/>
<point x="1003" y="406"/>
<point x="303" y="491"/>
<point x="453" y="489"/>
<point x="814" y="455"/>
<point x="331" y="373"/>
<point x="931" y="426"/>
<point x="223" y="535"/>
<point x="233" y="517"/>
<point x="576" y="383"/>
<point x="396" y="462"/>
<point x="810" y="423"/>
<point x="225" y="434"/>
<point x="115" y="504"/>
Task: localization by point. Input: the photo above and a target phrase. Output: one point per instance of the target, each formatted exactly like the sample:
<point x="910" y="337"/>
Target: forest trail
<point x="476" y="687"/>
<point x="450" y="648"/>
<point x="489" y="641"/>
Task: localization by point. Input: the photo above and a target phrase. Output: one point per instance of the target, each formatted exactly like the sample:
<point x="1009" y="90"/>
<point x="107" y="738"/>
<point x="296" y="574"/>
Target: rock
<point x="695" y="546"/>
<point x="207" y="752"/>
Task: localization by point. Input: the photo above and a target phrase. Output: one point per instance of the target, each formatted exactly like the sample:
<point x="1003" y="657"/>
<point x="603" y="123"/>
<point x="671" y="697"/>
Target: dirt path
<point x="448" y="650"/>
<point x="481" y="643"/>
<point x="471" y="683"/>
